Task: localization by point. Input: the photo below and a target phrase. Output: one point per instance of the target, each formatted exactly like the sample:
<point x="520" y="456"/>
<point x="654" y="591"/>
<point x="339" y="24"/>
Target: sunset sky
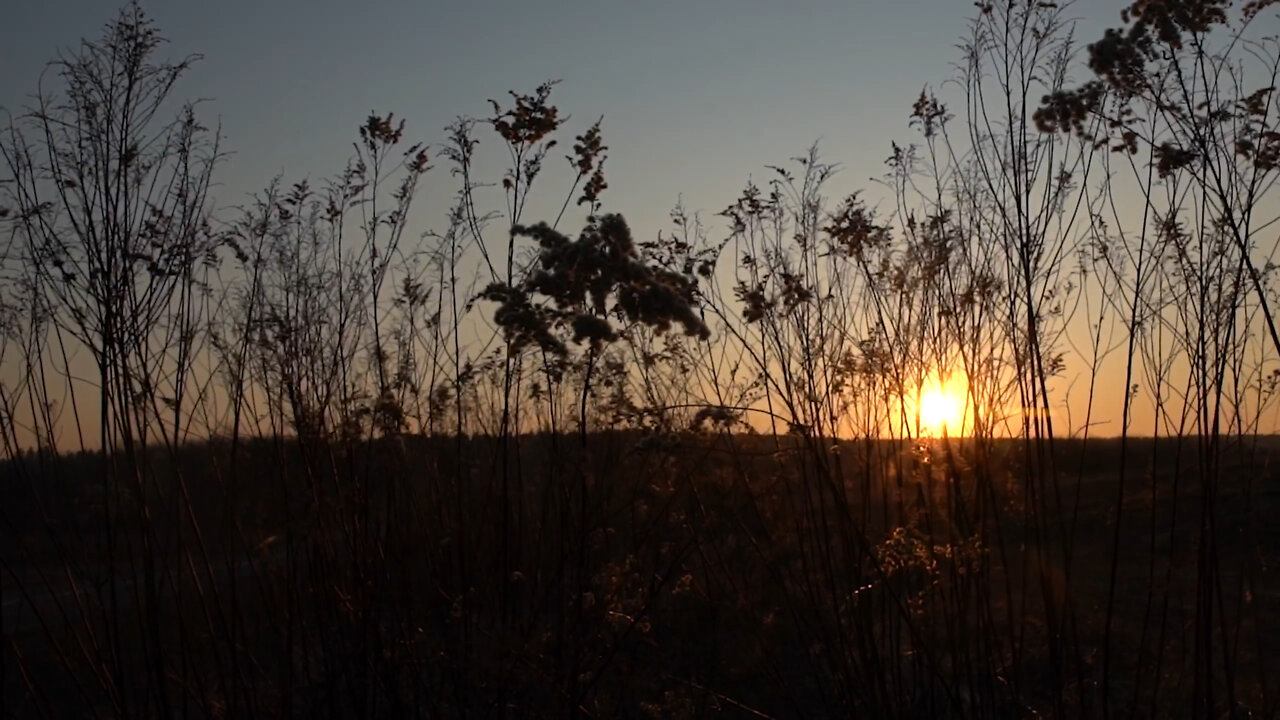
<point x="697" y="96"/>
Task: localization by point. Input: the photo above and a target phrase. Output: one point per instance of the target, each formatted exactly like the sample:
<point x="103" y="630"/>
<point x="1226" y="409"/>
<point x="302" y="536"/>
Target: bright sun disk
<point x="942" y="408"/>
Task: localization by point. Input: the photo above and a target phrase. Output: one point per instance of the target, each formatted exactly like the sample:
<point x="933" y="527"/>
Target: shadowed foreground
<point x="642" y="576"/>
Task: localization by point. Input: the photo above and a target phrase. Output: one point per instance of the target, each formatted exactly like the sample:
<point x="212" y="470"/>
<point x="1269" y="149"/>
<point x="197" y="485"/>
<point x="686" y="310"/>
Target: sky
<point x="697" y="96"/>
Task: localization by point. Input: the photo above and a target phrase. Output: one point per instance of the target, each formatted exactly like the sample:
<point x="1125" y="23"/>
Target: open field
<point x="707" y="573"/>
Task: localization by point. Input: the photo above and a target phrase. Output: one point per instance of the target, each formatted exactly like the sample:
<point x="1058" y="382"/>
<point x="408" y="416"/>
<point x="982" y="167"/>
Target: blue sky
<point x="696" y="95"/>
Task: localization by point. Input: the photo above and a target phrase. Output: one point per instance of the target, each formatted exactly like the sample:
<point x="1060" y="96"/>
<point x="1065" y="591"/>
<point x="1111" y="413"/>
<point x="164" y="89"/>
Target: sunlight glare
<point x="942" y="407"/>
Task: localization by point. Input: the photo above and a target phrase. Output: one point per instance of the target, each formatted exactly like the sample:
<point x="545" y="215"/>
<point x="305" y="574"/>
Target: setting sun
<point x="941" y="407"/>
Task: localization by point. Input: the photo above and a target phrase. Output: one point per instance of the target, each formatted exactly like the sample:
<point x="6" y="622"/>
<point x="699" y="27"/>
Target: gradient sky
<point x="696" y="95"/>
